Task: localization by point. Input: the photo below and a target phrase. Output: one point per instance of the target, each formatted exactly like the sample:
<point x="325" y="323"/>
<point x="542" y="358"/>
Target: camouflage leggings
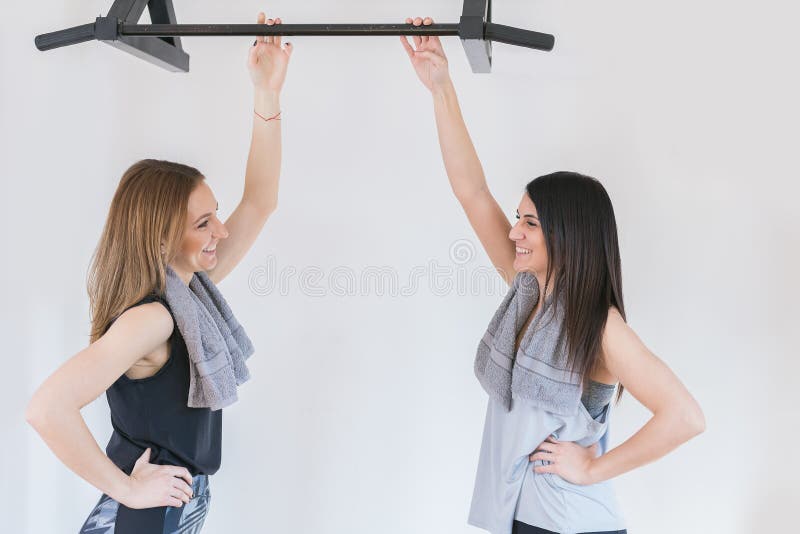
<point x="111" y="517"/>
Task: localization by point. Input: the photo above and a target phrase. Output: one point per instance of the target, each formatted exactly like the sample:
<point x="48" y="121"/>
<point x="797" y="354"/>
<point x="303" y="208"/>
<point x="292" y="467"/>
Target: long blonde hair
<point x="148" y="211"/>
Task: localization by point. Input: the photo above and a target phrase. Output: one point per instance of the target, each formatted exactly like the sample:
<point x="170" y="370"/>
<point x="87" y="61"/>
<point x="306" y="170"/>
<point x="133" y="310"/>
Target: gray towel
<point x="217" y="344"/>
<point x="538" y="371"/>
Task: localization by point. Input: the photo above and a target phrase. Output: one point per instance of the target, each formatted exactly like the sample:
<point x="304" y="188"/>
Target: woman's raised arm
<point x="267" y="62"/>
<point x="460" y="159"/>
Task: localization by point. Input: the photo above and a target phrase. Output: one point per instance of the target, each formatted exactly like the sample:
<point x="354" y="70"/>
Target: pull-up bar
<point x="159" y="42"/>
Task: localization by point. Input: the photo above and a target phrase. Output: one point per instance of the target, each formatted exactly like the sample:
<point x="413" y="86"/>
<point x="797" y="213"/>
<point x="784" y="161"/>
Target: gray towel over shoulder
<point x="217" y="344"/>
<point x="537" y="371"/>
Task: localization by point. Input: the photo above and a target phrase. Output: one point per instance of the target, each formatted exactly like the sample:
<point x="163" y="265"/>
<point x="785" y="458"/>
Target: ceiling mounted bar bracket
<point x="159" y="42"/>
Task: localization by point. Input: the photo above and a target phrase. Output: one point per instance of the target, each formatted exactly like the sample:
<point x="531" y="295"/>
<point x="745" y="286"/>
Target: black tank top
<point x="152" y="412"/>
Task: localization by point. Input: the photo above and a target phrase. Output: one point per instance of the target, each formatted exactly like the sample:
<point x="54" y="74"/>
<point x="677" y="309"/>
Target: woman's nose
<point x="221" y="231"/>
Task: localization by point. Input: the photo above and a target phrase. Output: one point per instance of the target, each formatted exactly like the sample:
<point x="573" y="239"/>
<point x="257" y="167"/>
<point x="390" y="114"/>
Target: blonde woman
<point x="151" y="284"/>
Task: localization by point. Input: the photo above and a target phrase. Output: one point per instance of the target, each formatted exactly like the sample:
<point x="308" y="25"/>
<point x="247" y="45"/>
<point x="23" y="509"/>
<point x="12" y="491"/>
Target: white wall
<point x="363" y="414"/>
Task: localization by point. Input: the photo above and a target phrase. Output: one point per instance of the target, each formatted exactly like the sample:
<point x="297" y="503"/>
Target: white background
<point x="363" y="415"/>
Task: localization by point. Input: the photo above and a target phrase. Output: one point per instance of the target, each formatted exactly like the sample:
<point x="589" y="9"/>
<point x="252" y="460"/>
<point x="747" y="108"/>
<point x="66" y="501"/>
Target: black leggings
<point x="522" y="528"/>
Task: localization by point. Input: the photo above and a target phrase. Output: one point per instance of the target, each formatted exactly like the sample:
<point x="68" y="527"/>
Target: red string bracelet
<point x="276" y="117"/>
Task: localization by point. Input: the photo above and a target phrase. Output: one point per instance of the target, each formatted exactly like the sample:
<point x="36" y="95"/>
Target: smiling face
<point x="203" y="230"/>
<point x="529" y="239"/>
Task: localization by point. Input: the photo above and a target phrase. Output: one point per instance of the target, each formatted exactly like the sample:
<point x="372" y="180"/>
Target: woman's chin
<point x="520" y="264"/>
<point x="209" y="263"/>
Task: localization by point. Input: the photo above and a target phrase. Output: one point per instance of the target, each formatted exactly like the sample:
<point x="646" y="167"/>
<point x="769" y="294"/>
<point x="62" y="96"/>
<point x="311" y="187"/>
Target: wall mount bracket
<point x="159" y="43"/>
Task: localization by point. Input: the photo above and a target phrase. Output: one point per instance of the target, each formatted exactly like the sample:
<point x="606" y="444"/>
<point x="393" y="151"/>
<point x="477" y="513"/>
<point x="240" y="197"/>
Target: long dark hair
<point x="580" y="233"/>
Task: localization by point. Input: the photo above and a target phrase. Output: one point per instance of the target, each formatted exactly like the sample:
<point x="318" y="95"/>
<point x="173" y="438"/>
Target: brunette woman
<point x="558" y="346"/>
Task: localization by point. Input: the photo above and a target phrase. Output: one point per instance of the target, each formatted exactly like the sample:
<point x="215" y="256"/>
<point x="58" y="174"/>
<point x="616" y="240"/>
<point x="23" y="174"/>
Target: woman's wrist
<point x="443" y="91"/>
<point x="123" y="487"/>
<point x="266" y="102"/>
<point x="592" y="472"/>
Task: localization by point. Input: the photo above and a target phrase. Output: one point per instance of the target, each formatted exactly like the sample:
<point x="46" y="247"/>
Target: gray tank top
<point x="506" y="487"/>
<point x="596" y="396"/>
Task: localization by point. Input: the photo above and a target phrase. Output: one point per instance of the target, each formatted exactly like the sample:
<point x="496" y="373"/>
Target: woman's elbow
<point x="694" y="420"/>
<point x="263" y="211"/>
<point x="35" y="413"/>
<point x="41" y="410"/>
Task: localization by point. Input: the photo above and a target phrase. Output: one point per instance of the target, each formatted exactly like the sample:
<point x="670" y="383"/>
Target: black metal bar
<point x="162" y="12"/>
<point x="518" y="37"/>
<point x="185" y="30"/>
<point x="69" y="36"/>
<point x="165" y="52"/>
<point x="160" y="43"/>
<point x="153" y="50"/>
<point x="473" y="17"/>
<point x="127" y="10"/>
<point x="471" y="30"/>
